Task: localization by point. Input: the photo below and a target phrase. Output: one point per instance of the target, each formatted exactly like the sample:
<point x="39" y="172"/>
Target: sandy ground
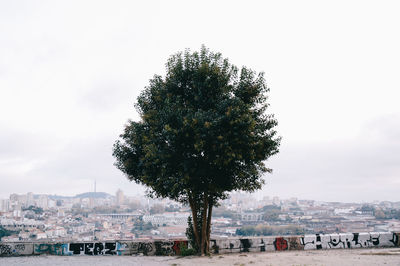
<point x="316" y="257"/>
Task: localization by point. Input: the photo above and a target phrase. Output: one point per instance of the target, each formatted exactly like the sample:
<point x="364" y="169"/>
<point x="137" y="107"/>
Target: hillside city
<point x="101" y="216"/>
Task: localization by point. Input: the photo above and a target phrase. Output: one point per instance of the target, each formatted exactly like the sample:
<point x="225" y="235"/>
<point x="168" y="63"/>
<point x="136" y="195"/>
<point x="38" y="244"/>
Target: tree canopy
<point x="203" y="132"/>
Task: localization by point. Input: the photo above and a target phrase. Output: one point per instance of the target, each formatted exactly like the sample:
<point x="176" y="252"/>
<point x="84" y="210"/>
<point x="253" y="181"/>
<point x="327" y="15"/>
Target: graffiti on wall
<point x="16" y="249"/>
<point x="134" y="248"/>
<point x="295" y="243"/>
<point x="260" y="244"/>
<point x="51" y="249"/>
<point x="173" y="247"/>
<point x="151" y="248"/>
<point x="395" y="239"/>
<point x="280" y="243"/>
<point x="164" y="248"/>
<point x="146" y="248"/>
<point x="245" y="245"/>
<point x="350" y="240"/>
<point x="5" y="249"/>
<point x="335" y="241"/>
<point x="96" y="248"/>
<point x="254" y="244"/>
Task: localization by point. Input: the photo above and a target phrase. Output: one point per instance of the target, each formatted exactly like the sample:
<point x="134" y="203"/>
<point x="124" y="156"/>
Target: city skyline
<point x="114" y="194"/>
<point x="70" y="73"/>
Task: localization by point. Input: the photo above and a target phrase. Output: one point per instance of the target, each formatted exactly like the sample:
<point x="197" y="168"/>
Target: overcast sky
<point x="70" y="72"/>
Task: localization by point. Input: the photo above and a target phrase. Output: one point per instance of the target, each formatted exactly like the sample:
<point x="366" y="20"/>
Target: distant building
<point x="4" y="205"/>
<point x="251" y="217"/>
<point x="169" y="218"/>
<point x="25" y="224"/>
<point x="121" y="216"/>
<point x="29" y="199"/>
<point x="276" y="201"/>
<point x="43" y="202"/>
<point x="120" y="197"/>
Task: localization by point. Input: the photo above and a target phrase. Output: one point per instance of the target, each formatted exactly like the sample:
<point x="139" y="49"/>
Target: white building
<point x="17" y="225"/>
<point x="43" y="202"/>
<point x="174" y="218"/>
<point x="4" y="205"/>
<point x="120" y="197"/>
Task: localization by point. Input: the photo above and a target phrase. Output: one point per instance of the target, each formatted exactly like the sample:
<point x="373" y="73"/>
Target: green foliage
<point x="139" y="226"/>
<point x="190" y="235"/>
<point x="5" y="232"/>
<point x="393" y="214"/>
<point x="272" y="215"/>
<point x="265" y="230"/>
<point x="367" y="207"/>
<point x="36" y="210"/>
<point x="203" y="128"/>
<point x="387" y="213"/>
<point x="171" y="208"/>
<point x="157" y="208"/>
<point x="224" y="212"/>
<point x="186" y="251"/>
<point x="270" y="207"/>
<point x="203" y="132"/>
<point x="379" y="214"/>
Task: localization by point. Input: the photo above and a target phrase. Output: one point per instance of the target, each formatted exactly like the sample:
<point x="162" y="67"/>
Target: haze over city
<point x="70" y="73"/>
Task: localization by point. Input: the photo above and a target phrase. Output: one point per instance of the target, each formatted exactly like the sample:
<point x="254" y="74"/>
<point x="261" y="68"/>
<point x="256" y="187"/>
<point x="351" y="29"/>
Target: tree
<point x="379" y="214"/>
<point x="222" y="211"/>
<point x="157" y="208"/>
<point x="203" y="132"/>
<point x="272" y="215"/>
<point x="5" y="232"/>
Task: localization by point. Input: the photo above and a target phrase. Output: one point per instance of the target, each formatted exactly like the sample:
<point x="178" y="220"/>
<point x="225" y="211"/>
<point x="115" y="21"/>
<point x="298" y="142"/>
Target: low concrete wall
<point x="218" y="246"/>
<point x="16" y="249"/>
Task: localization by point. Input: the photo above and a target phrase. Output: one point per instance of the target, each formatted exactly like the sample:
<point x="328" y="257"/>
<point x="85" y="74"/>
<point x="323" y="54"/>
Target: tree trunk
<point x="210" y="206"/>
<point x="195" y="221"/>
<point x="204" y="226"/>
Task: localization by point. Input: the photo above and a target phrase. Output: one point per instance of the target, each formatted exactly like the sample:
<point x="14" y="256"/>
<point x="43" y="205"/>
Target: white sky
<point x="70" y="72"/>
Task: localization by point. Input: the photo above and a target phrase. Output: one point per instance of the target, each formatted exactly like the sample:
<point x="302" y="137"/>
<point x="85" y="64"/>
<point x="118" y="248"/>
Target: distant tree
<point x="134" y="205"/>
<point x="270" y="207"/>
<point x="265" y="230"/>
<point x="367" y="208"/>
<point x="36" y="210"/>
<point x="272" y="215"/>
<point x="140" y="226"/>
<point x="203" y="132"/>
<point x="224" y="212"/>
<point x="5" y="232"/>
<point x="157" y="208"/>
<point x="171" y="208"/>
<point x="395" y="214"/>
<point x="379" y="214"/>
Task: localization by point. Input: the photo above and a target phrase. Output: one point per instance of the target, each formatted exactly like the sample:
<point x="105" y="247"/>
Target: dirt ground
<point x="387" y="256"/>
